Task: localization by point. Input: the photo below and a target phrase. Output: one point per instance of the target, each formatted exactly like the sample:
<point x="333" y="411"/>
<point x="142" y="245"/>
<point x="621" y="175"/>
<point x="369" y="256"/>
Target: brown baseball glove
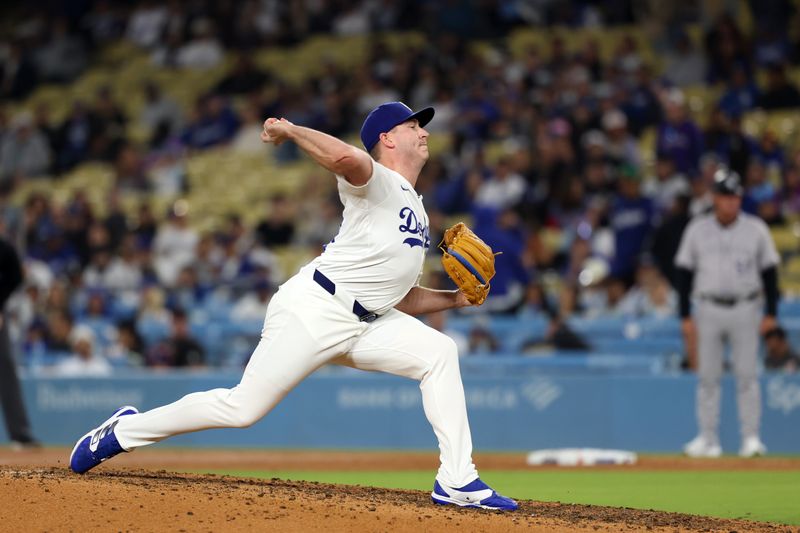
<point x="468" y="261"/>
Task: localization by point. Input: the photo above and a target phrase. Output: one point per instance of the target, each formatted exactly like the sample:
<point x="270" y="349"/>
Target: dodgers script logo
<point x="413" y="226"/>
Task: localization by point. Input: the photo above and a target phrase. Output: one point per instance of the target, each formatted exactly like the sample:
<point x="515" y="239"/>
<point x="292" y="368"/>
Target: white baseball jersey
<point x="727" y="260"/>
<point x="377" y="258"/>
<point x="378" y="254"/>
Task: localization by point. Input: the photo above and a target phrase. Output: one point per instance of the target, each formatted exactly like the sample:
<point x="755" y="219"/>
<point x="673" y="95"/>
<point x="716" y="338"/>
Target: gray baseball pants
<point x="738" y="327"/>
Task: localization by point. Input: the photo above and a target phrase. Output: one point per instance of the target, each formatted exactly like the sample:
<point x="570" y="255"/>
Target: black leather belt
<point x="729" y="301"/>
<point x="359" y="310"/>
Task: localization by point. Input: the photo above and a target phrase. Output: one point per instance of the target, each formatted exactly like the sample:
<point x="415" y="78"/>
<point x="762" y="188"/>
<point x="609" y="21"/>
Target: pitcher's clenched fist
<point x="275" y="131"/>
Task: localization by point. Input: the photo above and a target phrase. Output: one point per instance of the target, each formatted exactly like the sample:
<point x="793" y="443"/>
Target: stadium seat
<point x="787" y="239"/>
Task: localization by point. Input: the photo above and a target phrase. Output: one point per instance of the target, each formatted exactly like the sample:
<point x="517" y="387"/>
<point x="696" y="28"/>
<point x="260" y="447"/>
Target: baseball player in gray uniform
<point x="352" y="305"/>
<point x="727" y="261"/>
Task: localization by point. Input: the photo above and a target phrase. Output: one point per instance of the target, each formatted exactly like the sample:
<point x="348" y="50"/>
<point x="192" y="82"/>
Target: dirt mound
<point x="53" y="499"/>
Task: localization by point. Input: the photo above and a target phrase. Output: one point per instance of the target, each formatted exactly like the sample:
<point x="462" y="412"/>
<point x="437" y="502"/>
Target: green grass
<point x="767" y="496"/>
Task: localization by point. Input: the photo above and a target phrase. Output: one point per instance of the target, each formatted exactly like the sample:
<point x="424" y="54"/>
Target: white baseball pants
<point x="306" y="328"/>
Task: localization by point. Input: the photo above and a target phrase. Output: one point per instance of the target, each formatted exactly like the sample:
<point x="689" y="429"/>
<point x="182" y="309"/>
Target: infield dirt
<point x="137" y="493"/>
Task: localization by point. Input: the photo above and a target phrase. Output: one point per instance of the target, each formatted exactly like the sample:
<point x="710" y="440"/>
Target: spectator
<point x="129" y="170"/>
<point x="374" y="92"/>
<point x="114" y="272"/>
<point x="203" y="51"/>
<point x="129" y="348"/>
<point x="772" y="46"/>
<point x="104" y="23"/>
<point x="621" y="147"/>
<point x="791" y="190"/>
<point x="727" y="49"/>
<point x="770" y="153"/>
<point x="616" y="289"/>
<point x="165" y="55"/>
<point x="277" y="229"/>
<point x="558" y="336"/>
<point x="180" y="349"/>
<point x="481" y="340"/>
<point x="146" y="24"/>
<point x="477" y="113"/>
<point x="640" y="102"/>
<point x="75" y="137"/>
<point x="63" y="56"/>
<point x="758" y="188"/>
<point x="12" y="223"/>
<point x="632" y="218"/>
<point x="741" y="95"/>
<point x="650" y="296"/>
<point x="145" y="227"/>
<point x="247" y="139"/>
<point x="214" y="122"/>
<point x="780" y="93"/>
<point x="59" y="330"/>
<point x="97" y="317"/>
<point x="701" y="199"/>
<point x="742" y="146"/>
<point x="503" y="189"/>
<point x="116" y="220"/>
<point x="666" y="186"/>
<point x="166" y="169"/>
<point x="108" y="128"/>
<point x="244" y="78"/>
<point x="161" y="116"/>
<point x="188" y="292"/>
<point x="24" y="151"/>
<point x="569" y="205"/>
<point x="174" y="244"/>
<point x="208" y="260"/>
<point x="717" y="133"/>
<point x="535" y="301"/>
<point x="18" y="74"/>
<point x="502" y="231"/>
<point x="88" y="235"/>
<point x="84" y="360"/>
<point x="685" y="65"/>
<point x="667" y="237"/>
<point x="320" y="224"/>
<point x="55" y="293"/>
<point x="678" y="136"/>
<point x="252" y="306"/>
<point x="780" y="355"/>
<point x="154" y="319"/>
<point x="353" y="20"/>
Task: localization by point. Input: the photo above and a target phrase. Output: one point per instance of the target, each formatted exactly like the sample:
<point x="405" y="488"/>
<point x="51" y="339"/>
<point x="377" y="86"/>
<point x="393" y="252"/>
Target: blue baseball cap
<point x="386" y="116"/>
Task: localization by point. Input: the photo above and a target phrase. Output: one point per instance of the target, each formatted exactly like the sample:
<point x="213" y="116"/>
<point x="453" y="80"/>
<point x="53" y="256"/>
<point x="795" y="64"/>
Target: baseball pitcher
<point x="353" y="305"/>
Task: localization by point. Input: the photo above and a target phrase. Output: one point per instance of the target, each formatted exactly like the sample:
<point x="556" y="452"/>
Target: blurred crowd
<point x="569" y="198"/>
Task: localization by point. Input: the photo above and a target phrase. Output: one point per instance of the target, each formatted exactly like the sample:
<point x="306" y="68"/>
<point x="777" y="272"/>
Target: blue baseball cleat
<point x="475" y="494"/>
<point x="99" y="444"/>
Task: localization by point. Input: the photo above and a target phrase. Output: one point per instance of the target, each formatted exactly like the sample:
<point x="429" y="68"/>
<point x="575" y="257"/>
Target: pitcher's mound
<point x="53" y="499"/>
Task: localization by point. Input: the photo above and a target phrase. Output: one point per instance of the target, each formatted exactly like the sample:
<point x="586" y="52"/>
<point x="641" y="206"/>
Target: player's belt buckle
<point x="369" y="317"/>
<point x="363" y="315"/>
